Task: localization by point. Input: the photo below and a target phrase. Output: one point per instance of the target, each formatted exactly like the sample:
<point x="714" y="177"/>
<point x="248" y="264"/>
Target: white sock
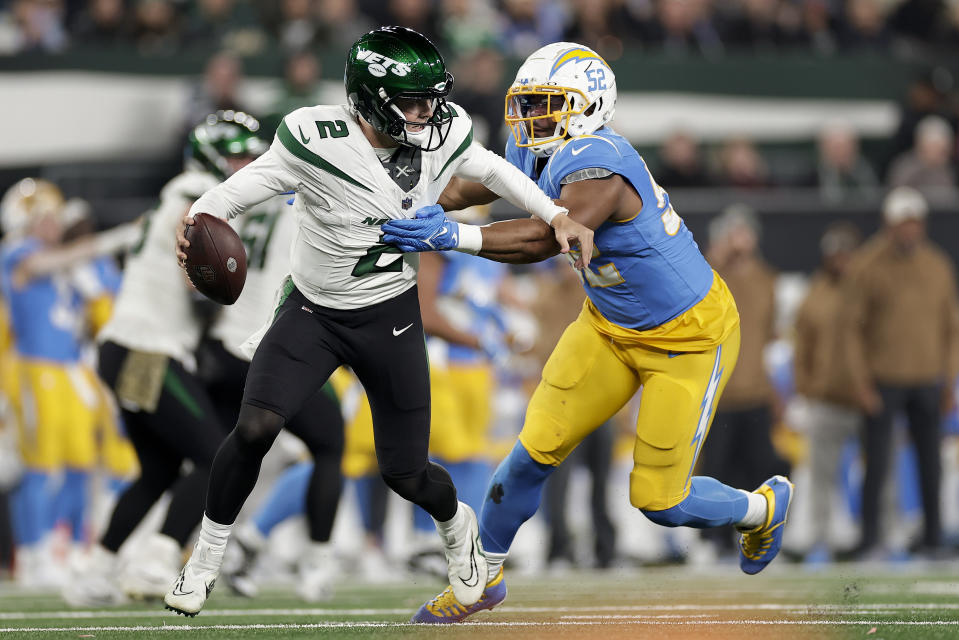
<point x="756" y="512"/>
<point x="452" y="529"/>
<point x="213" y="536"/>
<point x="493" y="562"/>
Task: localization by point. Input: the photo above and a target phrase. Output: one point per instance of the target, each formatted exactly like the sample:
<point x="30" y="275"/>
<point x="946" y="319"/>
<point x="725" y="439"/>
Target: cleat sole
<point x="181" y="612"/>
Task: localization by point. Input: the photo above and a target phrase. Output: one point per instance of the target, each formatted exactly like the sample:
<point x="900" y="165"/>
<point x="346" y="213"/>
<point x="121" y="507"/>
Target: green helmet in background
<point x="390" y="63"/>
<point x="222" y="135"/>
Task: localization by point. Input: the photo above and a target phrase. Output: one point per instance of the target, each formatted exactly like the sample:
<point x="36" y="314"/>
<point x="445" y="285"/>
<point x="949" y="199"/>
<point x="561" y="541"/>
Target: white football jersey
<point x="154" y="311"/>
<point x="267" y="231"/>
<point x="343" y="195"/>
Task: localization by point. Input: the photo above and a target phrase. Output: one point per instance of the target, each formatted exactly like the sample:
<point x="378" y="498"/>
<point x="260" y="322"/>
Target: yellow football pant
<point x="589" y="377"/>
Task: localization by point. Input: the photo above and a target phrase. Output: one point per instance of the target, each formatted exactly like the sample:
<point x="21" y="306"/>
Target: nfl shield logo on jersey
<point x="407" y="203"/>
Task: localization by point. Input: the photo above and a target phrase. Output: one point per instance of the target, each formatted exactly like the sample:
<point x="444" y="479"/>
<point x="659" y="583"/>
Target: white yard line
<point x="639" y="621"/>
<point x="803" y="609"/>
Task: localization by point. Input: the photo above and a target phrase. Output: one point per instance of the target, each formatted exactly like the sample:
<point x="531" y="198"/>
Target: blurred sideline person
<point x="147" y="358"/>
<point x="350" y="299"/>
<point x="902" y="332"/>
<point x="100" y="279"/>
<point x="57" y="406"/>
<point x="823" y="377"/>
<point x="740" y="449"/>
<point x="268" y="232"/>
<point x="656" y="316"/>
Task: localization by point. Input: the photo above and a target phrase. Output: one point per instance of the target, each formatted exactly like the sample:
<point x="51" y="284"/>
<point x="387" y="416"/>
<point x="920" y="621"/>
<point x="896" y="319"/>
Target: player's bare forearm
<point x="461" y="194"/>
<point x="518" y="241"/>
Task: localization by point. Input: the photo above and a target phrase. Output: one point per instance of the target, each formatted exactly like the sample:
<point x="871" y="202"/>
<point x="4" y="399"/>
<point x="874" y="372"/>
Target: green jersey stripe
<point x="295" y="147"/>
<point x="460" y="150"/>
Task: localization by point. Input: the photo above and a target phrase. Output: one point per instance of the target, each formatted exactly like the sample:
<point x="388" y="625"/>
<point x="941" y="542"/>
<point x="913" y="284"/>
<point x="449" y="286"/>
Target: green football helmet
<point x="223" y="135"/>
<point x="396" y="63"/>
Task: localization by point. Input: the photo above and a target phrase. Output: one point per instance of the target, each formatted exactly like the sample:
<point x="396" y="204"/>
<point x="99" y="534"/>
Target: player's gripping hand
<point x="182" y="244"/>
<point x="430" y="230"/>
<point x="568" y="231"/>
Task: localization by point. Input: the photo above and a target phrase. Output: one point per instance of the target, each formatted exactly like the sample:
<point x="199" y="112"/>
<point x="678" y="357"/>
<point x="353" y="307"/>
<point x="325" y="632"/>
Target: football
<point x="215" y="259"/>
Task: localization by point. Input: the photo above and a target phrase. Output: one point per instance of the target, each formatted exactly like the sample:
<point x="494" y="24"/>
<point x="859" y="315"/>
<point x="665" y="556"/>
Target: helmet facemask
<point x="529" y="107"/>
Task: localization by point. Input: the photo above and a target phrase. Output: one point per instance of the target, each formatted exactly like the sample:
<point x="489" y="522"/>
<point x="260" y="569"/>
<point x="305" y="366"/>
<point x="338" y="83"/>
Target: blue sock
<point x="287" y="499"/>
<point x="70" y="502"/>
<point x="709" y="504"/>
<point x="32" y="508"/>
<point x="513" y="497"/>
<point x="364" y="490"/>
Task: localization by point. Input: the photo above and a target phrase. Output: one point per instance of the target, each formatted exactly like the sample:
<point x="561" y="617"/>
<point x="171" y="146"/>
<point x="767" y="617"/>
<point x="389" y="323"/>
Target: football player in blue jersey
<point x="656" y="316"/>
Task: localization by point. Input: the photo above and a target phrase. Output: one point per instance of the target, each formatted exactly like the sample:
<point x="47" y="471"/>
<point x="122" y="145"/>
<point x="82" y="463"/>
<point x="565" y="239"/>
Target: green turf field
<point x="906" y="602"/>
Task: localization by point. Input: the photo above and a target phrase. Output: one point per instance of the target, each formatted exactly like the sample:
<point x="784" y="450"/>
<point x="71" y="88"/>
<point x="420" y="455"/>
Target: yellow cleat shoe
<point x="446" y="609"/>
<point x="758" y="547"/>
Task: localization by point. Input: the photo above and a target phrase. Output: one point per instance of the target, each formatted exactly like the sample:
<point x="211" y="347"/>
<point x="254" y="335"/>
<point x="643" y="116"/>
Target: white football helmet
<point x="27" y="201"/>
<point x="566" y="85"/>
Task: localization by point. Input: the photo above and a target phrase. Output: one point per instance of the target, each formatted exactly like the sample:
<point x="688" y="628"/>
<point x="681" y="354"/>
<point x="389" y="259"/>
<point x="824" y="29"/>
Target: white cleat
<point x="195" y="582"/>
<point x="466" y="564"/>
<point x="318" y="571"/>
<point x="92" y="581"/>
<point x="149" y="578"/>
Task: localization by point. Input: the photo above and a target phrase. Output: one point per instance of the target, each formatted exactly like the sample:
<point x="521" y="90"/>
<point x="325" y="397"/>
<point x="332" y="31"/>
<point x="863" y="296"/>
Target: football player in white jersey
<point x="351" y="299"/>
<point x="147" y="358"/>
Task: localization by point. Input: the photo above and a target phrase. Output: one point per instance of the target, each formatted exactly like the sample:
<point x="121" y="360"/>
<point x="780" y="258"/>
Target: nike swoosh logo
<point x="579" y="150"/>
<point x="473" y="578"/>
<point x="209" y="587"/>
<point x="178" y="587"/>
<point x="306" y="140"/>
<point x="397" y="332"/>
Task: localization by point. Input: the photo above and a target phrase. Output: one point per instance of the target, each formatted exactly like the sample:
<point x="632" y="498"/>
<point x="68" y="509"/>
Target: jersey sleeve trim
<point x="460" y="150"/>
<point x="291" y="144"/>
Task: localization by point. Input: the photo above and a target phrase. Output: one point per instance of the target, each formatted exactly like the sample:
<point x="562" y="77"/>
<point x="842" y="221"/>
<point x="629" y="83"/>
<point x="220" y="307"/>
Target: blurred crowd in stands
<point x="516" y="27"/>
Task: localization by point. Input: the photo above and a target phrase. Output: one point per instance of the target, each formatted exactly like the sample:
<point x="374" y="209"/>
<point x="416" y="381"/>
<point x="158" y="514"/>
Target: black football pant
<point x="920" y="404"/>
<point x="384" y="345"/>
<point x="184" y="426"/>
<point x="319" y="424"/>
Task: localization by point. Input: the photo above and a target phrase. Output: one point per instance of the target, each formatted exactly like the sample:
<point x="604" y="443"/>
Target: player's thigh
<point x="584" y="384"/>
<point x="319" y="424"/>
<point x="293" y="360"/>
<point x="679" y="399"/>
<point x="83" y="402"/>
<point x="473" y="385"/>
<point x="42" y="414"/>
<point x="393" y="368"/>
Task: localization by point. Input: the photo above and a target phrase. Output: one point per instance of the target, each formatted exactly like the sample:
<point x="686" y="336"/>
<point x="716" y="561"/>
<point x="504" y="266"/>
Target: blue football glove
<point x="430" y="230"/>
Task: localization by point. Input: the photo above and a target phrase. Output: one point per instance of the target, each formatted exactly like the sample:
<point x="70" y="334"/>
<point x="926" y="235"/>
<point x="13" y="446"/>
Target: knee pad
<point x="406" y="488"/>
<point x="412" y="487"/>
<point x="257" y="428"/>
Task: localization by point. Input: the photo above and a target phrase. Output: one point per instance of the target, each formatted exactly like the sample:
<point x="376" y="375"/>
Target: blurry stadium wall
<point x="97" y="109"/>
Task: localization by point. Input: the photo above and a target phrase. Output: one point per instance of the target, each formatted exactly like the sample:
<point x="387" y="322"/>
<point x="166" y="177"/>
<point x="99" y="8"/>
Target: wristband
<point x="471" y="239"/>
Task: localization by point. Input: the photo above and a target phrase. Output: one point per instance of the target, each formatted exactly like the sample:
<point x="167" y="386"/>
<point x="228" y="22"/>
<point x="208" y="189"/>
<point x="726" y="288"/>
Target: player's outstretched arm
<point x="504" y="179"/>
<point x="511" y="241"/>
